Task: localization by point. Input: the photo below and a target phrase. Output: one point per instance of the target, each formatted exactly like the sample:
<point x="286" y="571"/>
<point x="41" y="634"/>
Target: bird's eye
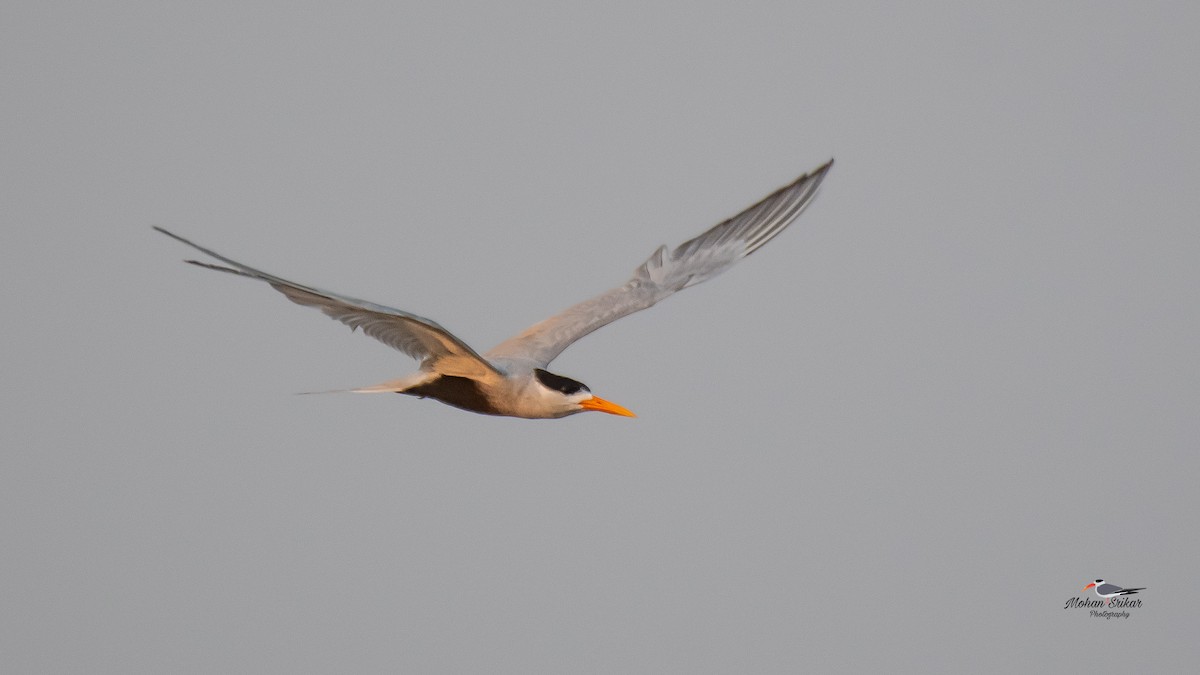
<point x="1099" y="580"/>
<point x="564" y="385"/>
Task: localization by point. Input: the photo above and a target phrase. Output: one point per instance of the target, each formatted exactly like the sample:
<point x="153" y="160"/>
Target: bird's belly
<point x="460" y="392"/>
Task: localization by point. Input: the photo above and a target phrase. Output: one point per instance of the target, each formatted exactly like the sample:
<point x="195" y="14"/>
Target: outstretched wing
<point x="665" y="273"/>
<point x="420" y="338"/>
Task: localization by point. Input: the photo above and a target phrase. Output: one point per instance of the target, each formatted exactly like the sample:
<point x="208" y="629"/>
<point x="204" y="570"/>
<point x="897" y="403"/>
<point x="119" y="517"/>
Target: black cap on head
<point x="559" y="383"/>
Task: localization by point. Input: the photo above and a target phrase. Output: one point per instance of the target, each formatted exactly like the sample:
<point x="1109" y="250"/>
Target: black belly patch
<point x="460" y="392"/>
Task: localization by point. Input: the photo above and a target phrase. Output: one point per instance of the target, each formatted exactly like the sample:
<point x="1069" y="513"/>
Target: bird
<point x="1110" y="591"/>
<point x="512" y="378"/>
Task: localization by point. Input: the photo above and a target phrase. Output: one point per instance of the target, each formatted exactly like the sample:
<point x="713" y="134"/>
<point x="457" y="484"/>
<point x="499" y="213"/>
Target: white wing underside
<point x="435" y="347"/>
<point x="665" y="273"/>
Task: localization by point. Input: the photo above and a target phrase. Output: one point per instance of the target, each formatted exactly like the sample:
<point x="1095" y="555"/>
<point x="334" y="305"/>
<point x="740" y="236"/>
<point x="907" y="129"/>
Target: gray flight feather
<point x="423" y="339"/>
<point x="665" y="273"/>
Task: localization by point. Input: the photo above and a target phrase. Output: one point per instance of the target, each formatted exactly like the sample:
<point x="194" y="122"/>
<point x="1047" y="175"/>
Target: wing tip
<point x="169" y="233"/>
<point x="817" y="174"/>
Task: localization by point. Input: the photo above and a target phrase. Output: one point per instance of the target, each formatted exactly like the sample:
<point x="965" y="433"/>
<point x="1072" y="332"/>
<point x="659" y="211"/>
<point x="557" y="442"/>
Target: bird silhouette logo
<point x="1109" y="591"/>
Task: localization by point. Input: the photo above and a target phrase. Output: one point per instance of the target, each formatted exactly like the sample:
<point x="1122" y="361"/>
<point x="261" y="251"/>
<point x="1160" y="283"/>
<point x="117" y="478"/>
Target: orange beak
<point x="1088" y="586"/>
<point x="599" y="404"/>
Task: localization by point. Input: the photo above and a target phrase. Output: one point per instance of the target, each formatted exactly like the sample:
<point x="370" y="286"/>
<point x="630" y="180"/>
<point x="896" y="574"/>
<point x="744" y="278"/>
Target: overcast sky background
<point x="898" y="438"/>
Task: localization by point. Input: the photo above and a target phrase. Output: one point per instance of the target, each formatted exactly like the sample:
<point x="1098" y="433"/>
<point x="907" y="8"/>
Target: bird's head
<point x="1094" y="583"/>
<point x="574" y="396"/>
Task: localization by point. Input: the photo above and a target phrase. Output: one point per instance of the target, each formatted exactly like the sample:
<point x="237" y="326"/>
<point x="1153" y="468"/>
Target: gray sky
<point x="898" y="438"/>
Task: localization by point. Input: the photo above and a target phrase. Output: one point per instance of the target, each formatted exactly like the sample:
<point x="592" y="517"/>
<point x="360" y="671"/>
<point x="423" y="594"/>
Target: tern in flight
<point x="512" y="379"/>
<point x="1110" y="591"/>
